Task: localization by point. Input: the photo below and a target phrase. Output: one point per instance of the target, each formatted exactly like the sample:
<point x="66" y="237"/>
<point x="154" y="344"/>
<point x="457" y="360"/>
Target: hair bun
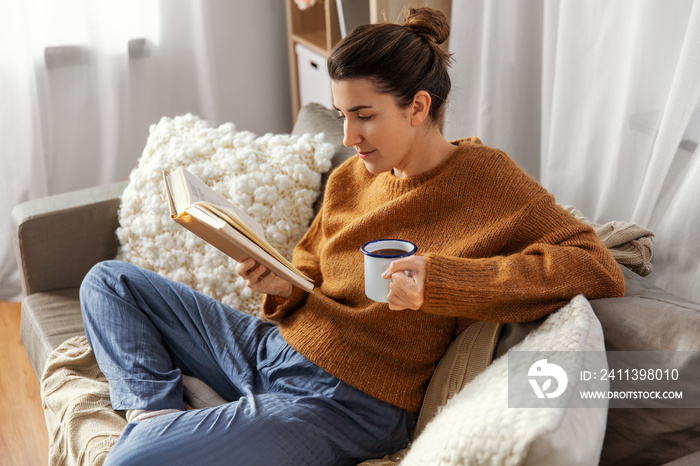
<point x="429" y="23"/>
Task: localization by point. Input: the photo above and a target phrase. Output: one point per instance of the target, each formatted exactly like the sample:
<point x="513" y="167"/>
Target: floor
<point x="23" y="437"/>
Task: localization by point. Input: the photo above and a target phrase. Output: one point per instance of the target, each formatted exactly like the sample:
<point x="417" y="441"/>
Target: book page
<point x="231" y="217"/>
<point x="200" y="192"/>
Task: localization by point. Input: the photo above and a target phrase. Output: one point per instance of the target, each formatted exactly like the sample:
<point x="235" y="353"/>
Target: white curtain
<point x="598" y="100"/>
<point x="81" y="81"/>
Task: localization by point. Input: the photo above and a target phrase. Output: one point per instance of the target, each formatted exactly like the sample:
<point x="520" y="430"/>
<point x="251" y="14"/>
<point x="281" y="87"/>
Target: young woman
<point x="341" y="378"/>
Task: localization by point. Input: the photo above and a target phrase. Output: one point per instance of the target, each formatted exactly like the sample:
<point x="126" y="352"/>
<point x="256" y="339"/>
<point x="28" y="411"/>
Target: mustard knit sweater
<point x="498" y="248"/>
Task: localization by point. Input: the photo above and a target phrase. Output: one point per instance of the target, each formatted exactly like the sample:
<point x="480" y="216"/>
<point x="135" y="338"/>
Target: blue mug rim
<point x="364" y="250"/>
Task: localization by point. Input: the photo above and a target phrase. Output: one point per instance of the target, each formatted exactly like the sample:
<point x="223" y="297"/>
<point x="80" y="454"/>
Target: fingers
<point x="407" y="290"/>
<point x="243" y="268"/>
<point x="262" y="280"/>
<point x="394" y="267"/>
<point x="415" y="265"/>
<point x="254" y="274"/>
<point x="266" y="278"/>
<point x="405" y="293"/>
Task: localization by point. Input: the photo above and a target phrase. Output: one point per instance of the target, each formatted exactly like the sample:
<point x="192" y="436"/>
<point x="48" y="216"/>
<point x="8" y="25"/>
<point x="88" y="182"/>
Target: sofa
<point x="59" y="238"/>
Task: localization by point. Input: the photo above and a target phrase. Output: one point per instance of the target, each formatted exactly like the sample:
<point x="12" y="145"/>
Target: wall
<point x="252" y="64"/>
<point x="247" y="74"/>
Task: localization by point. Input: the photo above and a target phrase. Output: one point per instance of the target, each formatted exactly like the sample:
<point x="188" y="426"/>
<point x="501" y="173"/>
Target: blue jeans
<point x="282" y="409"/>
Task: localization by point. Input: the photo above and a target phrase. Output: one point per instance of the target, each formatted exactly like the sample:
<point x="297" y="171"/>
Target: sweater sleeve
<point x="555" y="259"/>
<point x="305" y="258"/>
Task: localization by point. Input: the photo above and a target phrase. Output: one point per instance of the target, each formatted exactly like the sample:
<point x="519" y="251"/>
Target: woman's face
<point x="378" y="129"/>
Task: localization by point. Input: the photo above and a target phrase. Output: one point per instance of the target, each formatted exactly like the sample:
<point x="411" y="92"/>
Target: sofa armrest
<point x="59" y="238"/>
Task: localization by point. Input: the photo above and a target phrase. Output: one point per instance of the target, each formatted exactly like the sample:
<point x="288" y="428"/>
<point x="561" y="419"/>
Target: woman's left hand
<point x="406" y="291"/>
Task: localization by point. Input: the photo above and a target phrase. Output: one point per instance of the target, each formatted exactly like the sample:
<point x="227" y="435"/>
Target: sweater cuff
<point x="277" y="308"/>
<point x="448" y="285"/>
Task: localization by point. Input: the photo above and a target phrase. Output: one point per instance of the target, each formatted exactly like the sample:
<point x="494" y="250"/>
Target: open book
<point x="209" y="215"/>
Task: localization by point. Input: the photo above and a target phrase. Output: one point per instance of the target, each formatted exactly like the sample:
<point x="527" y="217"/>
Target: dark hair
<point x="400" y="59"/>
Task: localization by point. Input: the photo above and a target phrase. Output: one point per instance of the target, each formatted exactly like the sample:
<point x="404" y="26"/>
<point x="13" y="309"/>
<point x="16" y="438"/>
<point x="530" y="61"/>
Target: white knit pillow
<point x="274" y="178"/>
<point x="477" y="426"/>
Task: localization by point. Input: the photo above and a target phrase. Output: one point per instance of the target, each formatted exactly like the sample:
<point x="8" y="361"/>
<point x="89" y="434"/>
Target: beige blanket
<point x="630" y="244"/>
<point x="80" y="420"/>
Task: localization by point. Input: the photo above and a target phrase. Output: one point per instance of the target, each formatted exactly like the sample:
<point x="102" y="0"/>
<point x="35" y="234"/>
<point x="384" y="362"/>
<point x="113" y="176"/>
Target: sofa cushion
<point x="477" y="426"/>
<point x="273" y="178"/>
<point x="49" y="319"/>
<point x="315" y="118"/>
<point x="648" y="318"/>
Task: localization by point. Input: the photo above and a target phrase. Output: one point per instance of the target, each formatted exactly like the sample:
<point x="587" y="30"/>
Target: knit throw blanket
<point x="82" y="425"/>
<point x="80" y="420"/>
<point x="630" y="244"/>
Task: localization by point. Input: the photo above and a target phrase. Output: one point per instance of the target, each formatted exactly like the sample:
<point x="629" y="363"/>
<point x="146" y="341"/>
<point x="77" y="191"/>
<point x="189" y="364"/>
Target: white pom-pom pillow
<point x="274" y="178"/>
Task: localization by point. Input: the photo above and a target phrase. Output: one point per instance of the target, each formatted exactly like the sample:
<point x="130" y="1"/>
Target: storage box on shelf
<point x="314" y="83"/>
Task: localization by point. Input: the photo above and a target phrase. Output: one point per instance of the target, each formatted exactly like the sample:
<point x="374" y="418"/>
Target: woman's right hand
<point x="268" y="283"/>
